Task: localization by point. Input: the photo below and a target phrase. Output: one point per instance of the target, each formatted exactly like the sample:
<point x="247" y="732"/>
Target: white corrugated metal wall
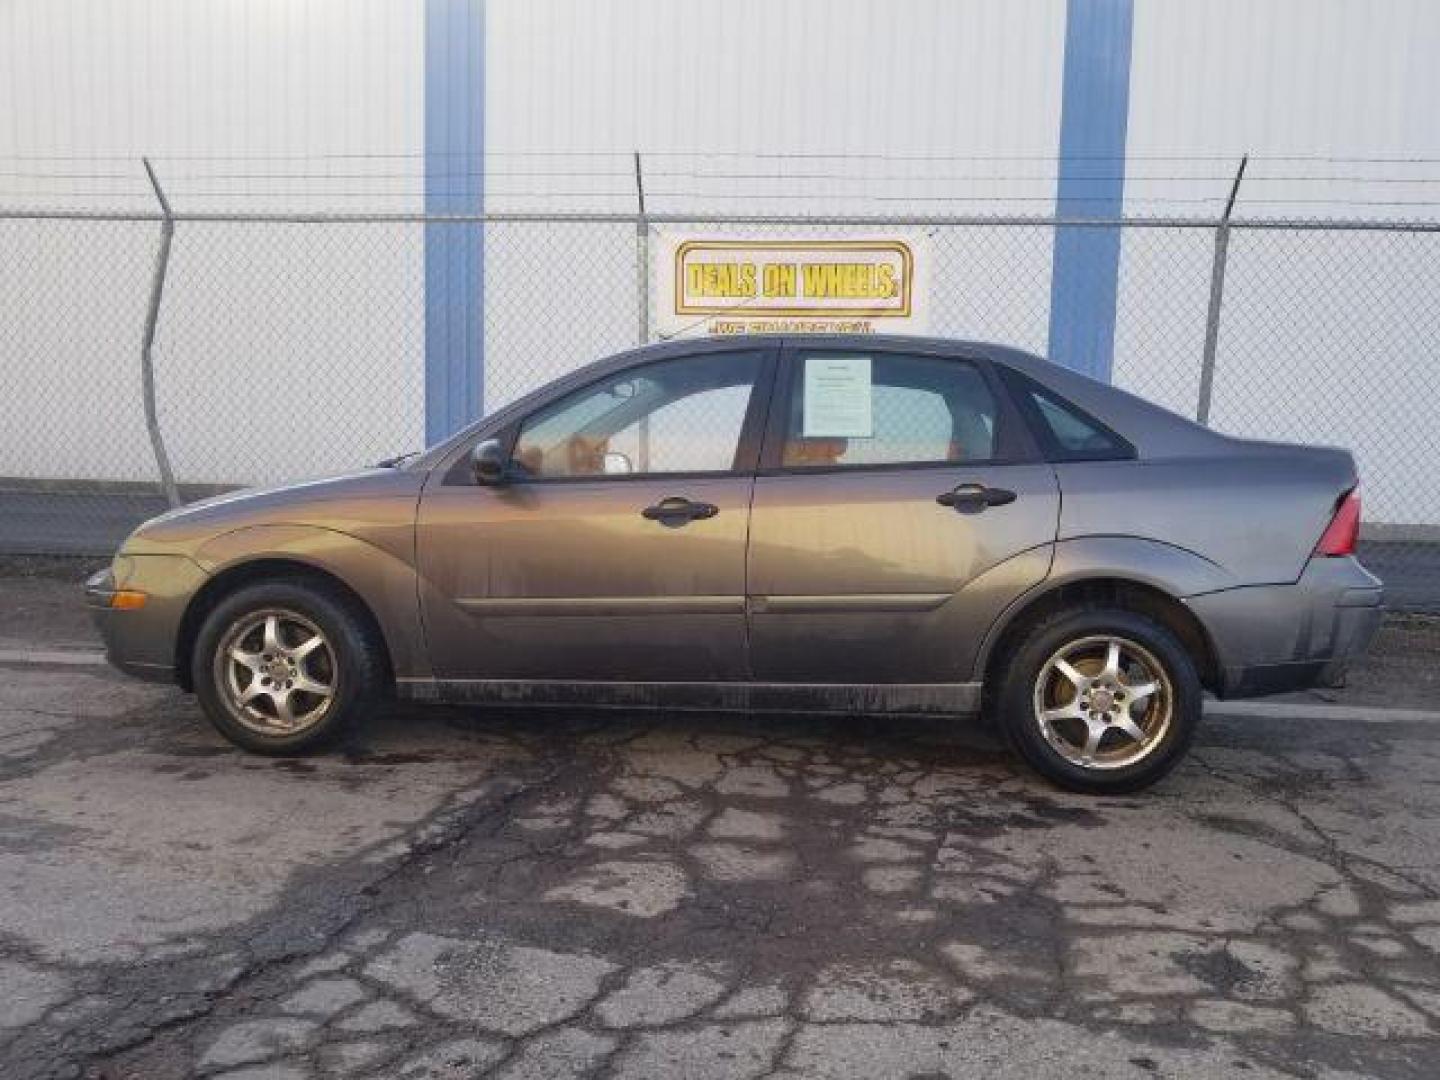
<point x="808" y="107"/>
<point x="239" y="104"/>
<point x="798" y="108"/>
<point x="1322" y="336"/>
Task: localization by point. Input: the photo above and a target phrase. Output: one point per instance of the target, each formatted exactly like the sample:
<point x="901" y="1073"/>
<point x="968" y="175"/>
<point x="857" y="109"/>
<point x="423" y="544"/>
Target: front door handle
<point x="972" y="498"/>
<point x="677" y="510"/>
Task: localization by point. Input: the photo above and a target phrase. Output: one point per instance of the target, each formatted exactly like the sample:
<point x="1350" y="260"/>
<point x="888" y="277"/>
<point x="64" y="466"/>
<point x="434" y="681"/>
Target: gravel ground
<point x="546" y="895"/>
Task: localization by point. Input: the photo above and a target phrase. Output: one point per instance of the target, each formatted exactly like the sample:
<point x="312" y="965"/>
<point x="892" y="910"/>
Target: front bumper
<point x="142" y="641"/>
<point x="1270" y="639"/>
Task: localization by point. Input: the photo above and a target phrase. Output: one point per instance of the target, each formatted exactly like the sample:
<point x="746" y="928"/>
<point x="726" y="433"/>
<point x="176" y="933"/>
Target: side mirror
<point x="488" y="461"/>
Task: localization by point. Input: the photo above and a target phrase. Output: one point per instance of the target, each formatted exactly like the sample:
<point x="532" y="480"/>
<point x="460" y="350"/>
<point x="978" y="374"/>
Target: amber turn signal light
<point x="128" y="599"/>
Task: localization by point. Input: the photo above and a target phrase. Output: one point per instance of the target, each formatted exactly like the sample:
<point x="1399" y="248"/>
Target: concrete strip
<point x="1304" y="710"/>
<point x="50" y="657"/>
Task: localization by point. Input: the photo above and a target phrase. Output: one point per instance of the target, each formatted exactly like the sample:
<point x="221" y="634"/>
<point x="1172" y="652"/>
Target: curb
<point x="1304" y="710"/>
<point x="52" y="657"/>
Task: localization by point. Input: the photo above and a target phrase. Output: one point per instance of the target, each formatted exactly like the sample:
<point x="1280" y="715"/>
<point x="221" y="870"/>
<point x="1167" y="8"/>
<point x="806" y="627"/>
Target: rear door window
<point x="869" y="409"/>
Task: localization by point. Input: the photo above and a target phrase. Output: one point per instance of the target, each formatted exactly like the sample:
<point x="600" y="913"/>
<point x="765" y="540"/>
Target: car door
<point x="900" y="506"/>
<point x="615" y="547"/>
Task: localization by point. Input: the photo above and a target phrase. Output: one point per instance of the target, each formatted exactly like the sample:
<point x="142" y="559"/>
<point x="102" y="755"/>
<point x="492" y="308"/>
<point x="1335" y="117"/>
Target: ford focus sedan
<point x="820" y="524"/>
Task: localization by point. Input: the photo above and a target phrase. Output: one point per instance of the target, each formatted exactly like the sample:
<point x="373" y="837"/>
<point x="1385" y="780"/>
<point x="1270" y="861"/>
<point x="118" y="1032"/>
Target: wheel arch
<point x="268" y="568"/>
<point x="1101" y="590"/>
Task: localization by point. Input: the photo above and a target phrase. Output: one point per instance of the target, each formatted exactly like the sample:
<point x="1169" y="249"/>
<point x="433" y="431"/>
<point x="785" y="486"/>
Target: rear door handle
<point x="677" y="510"/>
<point x="972" y="498"/>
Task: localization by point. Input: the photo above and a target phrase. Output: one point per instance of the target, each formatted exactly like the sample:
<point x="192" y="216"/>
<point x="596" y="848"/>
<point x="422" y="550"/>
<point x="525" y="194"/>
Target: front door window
<point x="677" y="416"/>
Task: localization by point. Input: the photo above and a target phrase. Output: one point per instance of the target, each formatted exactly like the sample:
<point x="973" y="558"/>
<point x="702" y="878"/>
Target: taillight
<point x="1344" y="529"/>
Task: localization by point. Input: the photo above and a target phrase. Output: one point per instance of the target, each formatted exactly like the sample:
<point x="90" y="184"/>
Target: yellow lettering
<point x="849" y="281"/>
<point x="779" y="279"/>
<point x="821" y="279"/>
<point x="886" y="281"/>
<point x="720" y="279"/>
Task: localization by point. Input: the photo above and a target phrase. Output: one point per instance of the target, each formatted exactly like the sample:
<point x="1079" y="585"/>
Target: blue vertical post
<point x="454" y="184"/>
<point x="1094" y="112"/>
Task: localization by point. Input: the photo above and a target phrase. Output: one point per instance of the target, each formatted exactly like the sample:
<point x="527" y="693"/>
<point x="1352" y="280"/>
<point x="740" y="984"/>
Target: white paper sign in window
<point x="837" y="397"/>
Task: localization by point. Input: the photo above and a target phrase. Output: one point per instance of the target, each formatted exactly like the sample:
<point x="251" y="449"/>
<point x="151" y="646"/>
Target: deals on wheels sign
<point x="711" y="285"/>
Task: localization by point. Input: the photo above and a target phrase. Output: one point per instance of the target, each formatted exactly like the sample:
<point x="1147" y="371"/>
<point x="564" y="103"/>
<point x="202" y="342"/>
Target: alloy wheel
<point x="1103" y="702"/>
<point x="277" y="671"/>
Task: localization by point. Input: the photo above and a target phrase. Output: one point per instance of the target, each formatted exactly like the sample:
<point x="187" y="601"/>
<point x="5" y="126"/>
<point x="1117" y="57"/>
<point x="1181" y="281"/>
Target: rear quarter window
<point x="1065" y="431"/>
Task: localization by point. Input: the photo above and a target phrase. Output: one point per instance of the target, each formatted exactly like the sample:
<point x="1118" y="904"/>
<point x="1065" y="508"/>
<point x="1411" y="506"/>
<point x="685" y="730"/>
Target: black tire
<point x="353" y="664"/>
<point x="1018" y="707"/>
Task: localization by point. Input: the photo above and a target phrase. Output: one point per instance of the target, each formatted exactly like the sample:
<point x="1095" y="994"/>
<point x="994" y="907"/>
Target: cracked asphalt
<point x="549" y="894"/>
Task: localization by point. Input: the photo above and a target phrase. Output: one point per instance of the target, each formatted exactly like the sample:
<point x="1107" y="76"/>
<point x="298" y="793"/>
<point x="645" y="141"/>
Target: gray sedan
<point x="820" y="523"/>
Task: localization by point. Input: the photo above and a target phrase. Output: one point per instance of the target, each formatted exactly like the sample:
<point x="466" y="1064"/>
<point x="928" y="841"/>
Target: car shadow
<point x="941" y="741"/>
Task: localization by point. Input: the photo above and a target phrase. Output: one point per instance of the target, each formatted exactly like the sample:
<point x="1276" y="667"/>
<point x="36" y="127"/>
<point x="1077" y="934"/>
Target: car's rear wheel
<point x="282" y="667"/>
<point x="1101" y="700"/>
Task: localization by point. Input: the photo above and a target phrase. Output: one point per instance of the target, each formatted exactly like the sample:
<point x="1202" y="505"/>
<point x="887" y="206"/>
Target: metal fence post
<point x="642" y="254"/>
<point x="1217" y="293"/>
<point x="147" y="345"/>
<point x="642" y="285"/>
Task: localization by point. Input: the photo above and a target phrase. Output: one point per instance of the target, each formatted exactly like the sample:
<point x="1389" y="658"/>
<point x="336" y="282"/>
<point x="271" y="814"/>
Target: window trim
<point x="1013" y="443"/>
<point x="1021" y="386"/>
<point x="747" y="448"/>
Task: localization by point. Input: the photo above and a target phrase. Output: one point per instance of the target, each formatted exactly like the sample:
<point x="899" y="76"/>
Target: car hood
<point x="334" y="502"/>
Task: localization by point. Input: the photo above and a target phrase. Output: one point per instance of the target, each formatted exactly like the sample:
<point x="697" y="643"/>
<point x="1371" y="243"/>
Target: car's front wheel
<point x="281" y="667"/>
<point x="1101" y="700"/>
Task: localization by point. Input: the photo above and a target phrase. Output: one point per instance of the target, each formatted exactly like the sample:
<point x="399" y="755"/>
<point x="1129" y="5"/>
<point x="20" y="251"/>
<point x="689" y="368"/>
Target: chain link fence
<point x="291" y="347"/>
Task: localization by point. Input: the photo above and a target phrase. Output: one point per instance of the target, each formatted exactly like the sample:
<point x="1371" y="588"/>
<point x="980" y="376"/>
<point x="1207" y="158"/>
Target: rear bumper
<point x="1270" y="639"/>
